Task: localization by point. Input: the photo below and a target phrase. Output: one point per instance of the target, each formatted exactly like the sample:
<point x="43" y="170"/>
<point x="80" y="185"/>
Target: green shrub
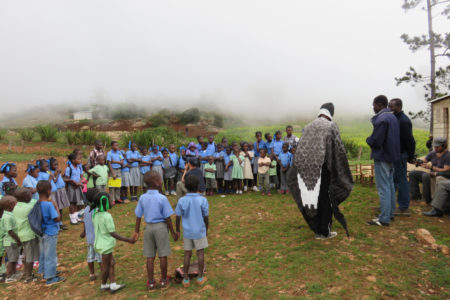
<point x="86" y="137"/>
<point x="190" y="116"/>
<point x="106" y="139"/>
<point x="351" y="147"/>
<point x="160" y="118"/>
<point x="126" y="111"/>
<point x="48" y="133"/>
<point x="2" y="134"/>
<point x="218" y="121"/>
<point x="26" y="134"/>
<point x="162" y="136"/>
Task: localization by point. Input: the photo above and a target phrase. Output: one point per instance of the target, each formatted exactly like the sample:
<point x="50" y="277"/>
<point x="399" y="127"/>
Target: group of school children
<point x="82" y="188"/>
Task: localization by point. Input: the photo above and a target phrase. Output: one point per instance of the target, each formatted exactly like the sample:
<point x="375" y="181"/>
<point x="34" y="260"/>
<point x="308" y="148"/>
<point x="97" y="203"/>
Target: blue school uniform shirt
<point x="202" y="153"/>
<point x="59" y="181"/>
<point x="116" y="156"/>
<point x="156" y="162"/>
<point x="268" y="146"/>
<point x="6" y="179"/>
<point x="226" y="160"/>
<point x="211" y="148"/>
<point x="173" y="158"/>
<point x="181" y="163"/>
<point x="133" y="155"/>
<point x="125" y="169"/>
<point x="154" y="207"/>
<point x="45" y="176"/>
<point x="49" y="214"/>
<point x="192" y="208"/>
<point x="199" y="146"/>
<point x="277" y="146"/>
<point x="89" y="226"/>
<point x="219" y="154"/>
<point x="31" y="182"/>
<point x="261" y="145"/>
<point x="285" y="159"/>
<point x="145" y="169"/>
<point x="77" y="172"/>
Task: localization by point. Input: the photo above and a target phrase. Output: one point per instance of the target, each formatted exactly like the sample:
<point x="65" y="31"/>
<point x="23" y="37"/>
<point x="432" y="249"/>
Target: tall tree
<point x="437" y="84"/>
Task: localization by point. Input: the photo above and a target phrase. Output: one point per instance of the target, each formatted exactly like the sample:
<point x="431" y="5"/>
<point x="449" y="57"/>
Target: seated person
<point x="192" y="168"/>
<point x="441" y="200"/>
<point x="440" y="162"/>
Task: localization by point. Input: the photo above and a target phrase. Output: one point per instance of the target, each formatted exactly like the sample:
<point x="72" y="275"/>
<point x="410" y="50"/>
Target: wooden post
<point x="360" y="153"/>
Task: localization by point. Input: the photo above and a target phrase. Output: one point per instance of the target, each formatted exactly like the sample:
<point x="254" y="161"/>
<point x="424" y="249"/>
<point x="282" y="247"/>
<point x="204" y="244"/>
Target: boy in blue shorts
<point x="194" y="210"/>
<point x="156" y="210"/>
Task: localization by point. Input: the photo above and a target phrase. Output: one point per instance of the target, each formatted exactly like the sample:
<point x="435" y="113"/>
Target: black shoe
<point x="63" y="227"/>
<point x="433" y="213"/>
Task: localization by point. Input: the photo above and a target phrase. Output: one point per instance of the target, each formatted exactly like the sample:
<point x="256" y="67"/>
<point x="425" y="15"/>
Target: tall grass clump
<point x="26" y="134"/>
<point x="154" y="136"/>
<point x="48" y="133"/>
<point x="86" y="137"/>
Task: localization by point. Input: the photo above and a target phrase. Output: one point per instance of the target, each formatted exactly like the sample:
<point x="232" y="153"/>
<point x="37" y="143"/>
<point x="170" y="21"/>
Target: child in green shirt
<point x="26" y="235"/>
<point x="11" y="241"/>
<point x="210" y="175"/>
<point x="105" y="240"/>
<point x="2" y="249"/>
<point x="273" y="172"/>
<point x="100" y="173"/>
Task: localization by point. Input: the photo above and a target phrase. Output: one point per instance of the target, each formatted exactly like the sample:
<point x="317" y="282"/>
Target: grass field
<point x="261" y="248"/>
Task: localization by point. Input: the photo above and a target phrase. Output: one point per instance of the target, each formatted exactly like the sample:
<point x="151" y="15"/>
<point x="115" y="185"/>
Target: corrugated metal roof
<point x="440" y="99"/>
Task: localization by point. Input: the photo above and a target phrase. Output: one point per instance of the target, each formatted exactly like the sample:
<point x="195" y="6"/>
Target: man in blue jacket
<point x="407" y="151"/>
<point x="385" y="145"/>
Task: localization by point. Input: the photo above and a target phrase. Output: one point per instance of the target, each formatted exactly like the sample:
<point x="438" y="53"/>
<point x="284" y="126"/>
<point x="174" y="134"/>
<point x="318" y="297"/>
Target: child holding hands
<point x="156" y="210"/>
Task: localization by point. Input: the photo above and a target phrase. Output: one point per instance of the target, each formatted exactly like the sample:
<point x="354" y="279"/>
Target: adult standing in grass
<point x="320" y="177"/>
<point x="407" y="150"/>
<point x="385" y="145"/>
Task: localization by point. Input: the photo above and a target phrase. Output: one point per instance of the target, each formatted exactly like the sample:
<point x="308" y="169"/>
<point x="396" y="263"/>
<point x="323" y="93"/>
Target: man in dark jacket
<point x="385" y="145"/>
<point x="407" y="150"/>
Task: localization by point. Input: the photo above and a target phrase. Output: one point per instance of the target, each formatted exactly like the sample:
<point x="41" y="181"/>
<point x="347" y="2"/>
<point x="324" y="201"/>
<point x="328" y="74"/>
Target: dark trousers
<point x="414" y="178"/>
<point x="401" y="181"/>
<point x="278" y="175"/>
<point x="321" y="222"/>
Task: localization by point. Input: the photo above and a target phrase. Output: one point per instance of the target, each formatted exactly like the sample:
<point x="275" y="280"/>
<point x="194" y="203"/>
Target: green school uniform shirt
<point x="237" y="172"/>
<point x="103" y="226"/>
<point x="210" y="174"/>
<point x="2" y="236"/>
<point x="9" y="223"/>
<point x="273" y="171"/>
<point x="102" y="171"/>
<point x="20" y="212"/>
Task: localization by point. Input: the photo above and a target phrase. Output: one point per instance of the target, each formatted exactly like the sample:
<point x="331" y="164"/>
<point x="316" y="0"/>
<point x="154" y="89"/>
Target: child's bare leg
<point x="187" y="262"/>
<point x="91" y="268"/>
<point x="163" y="266"/>
<point x="201" y="262"/>
<point x="11" y="269"/>
<point x="150" y="268"/>
<point x="112" y="276"/>
<point x="106" y="259"/>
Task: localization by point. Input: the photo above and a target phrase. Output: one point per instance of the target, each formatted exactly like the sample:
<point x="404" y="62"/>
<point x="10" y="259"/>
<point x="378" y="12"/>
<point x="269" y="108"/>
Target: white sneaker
<point x="240" y="192"/>
<point x="255" y="189"/>
<point x="245" y="188"/>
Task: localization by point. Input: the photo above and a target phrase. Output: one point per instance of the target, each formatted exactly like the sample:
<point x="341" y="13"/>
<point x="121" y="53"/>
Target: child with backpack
<point x="50" y="229"/>
<point x="11" y="241"/>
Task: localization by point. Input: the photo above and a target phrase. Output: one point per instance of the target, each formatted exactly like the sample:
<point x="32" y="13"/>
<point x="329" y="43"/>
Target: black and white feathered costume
<point x="320" y="178"/>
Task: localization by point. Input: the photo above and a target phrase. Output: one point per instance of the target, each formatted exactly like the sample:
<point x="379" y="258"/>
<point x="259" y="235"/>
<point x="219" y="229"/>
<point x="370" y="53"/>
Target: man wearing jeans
<point x="407" y="150"/>
<point x="385" y="145"/>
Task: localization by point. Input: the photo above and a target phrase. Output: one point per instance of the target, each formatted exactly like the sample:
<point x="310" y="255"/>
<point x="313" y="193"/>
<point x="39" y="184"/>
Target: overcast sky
<point x="272" y="57"/>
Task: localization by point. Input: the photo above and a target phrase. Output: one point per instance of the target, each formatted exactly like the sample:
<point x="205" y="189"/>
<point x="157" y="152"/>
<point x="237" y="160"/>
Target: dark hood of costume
<point x="320" y="145"/>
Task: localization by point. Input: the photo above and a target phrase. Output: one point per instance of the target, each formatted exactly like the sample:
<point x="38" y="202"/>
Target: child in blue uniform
<point x="115" y="160"/>
<point x="126" y="179"/>
<point x="9" y="170"/>
<point x="60" y="196"/>
<point x="144" y="166"/>
<point x="181" y="163"/>
<point x="227" y="176"/>
<point x="31" y="180"/>
<point x="156" y="159"/>
<point x="284" y="161"/>
<point x="220" y="168"/>
<point x="134" y="158"/>
<point x="73" y="177"/>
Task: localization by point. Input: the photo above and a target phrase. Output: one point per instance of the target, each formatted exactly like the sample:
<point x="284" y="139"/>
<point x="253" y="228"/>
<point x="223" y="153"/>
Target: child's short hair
<point x="277" y="132"/>
<point x="101" y="201"/>
<point x="72" y="156"/>
<point x="266" y="135"/>
<point x="23" y="195"/>
<point x="263" y="150"/>
<point x="51" y="162"/>
<point x="91" y="193"/>
<point x="286" y="144"/>
<point x="6" y="201"/>
<point x="113" y="142"/>
<point x="258" y="132"/>
<point x="99" y="157"/>
<point x="152" y="179"/>
<point x="192" y="183"/>
<point x="289" y="127"/>
<point x="9" y="188"/>
<point x="43" y="186"/>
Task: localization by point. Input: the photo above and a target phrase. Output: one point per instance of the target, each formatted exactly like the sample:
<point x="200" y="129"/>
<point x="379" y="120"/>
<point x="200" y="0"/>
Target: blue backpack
<point x="35" y="219"/>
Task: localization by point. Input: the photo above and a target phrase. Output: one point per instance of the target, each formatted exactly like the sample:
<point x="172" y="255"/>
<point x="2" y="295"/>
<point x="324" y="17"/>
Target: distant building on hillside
<point x="82" y="115"/>
<point x="439" y="117"/>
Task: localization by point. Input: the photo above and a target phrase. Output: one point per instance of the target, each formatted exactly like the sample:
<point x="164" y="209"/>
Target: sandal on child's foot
<point x="151" y="285"/>
<point x="186" y="283"/>
<point x="202" y="280"/>
<point x="165" y="283"/>
<point x="92" y="277"/>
